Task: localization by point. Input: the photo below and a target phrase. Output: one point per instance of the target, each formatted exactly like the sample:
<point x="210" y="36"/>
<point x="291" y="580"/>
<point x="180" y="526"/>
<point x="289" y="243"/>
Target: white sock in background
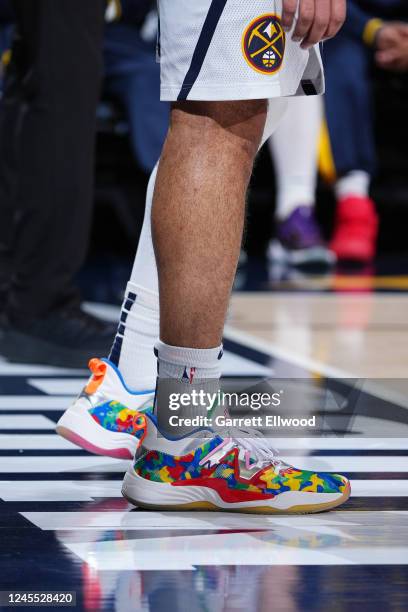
<point x="138" y="330"/>
<point x="293" y="148"/>
<point x="354" y="183"/>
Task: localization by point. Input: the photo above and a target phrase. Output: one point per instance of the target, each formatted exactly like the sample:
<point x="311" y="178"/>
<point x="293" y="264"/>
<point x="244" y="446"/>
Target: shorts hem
<point x="216" y="93"/>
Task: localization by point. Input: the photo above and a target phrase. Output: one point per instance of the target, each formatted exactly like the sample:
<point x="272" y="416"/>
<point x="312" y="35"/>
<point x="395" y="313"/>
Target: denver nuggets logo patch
<point x="263" y="44"/>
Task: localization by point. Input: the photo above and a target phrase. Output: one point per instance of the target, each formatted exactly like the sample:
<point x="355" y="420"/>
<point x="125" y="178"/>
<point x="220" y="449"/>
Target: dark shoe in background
<point x="299" y="242"/>
<point x="66" y="338"/>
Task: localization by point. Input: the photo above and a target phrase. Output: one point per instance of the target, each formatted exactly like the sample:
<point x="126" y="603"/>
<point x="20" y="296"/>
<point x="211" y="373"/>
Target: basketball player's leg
<point x="198" y="214"/>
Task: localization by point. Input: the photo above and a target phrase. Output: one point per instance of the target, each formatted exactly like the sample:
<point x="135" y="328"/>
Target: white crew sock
<point x="138" y="330"/>
<point x="188" y="364"/>
<point x="354" y="183"/>
<point x="187" y="373"/>
<point x="293" y="147"/>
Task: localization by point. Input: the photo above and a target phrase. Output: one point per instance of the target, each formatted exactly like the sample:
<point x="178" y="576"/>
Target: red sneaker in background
<point x="356" y="229"/>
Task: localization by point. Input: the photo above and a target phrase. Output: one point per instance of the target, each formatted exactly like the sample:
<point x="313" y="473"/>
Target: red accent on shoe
<point x="356" y="229"/>
<point x="226" y="493"/>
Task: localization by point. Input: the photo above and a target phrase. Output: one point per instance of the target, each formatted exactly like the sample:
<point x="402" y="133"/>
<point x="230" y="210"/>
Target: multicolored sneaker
<point x="213" y="472"/>
<point x="300" y="242"/>
<point x="106" y="418"/>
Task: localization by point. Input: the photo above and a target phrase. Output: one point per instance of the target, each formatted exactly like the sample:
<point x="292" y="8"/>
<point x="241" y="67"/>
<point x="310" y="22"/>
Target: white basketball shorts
<point x="232" y="50"/>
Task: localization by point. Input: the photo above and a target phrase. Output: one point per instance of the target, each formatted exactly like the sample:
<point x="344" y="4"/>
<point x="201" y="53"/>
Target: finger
<point x="288" y="13"/>
<point x="402" y="29"/>
<point x="337" y="17"/>
<point x="305" y="19"/>
<point x="398" y="65"/>
<point x="320" y="24"/>
<point x="387" y="56"/>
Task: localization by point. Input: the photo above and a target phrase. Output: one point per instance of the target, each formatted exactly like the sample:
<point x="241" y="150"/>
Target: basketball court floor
<point x="65" y="526"/>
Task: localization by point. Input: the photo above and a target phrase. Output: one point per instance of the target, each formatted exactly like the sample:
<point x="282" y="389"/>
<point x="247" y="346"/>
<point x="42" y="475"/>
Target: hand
<point x="392" y="46"/>
<point x="317" y="20"/>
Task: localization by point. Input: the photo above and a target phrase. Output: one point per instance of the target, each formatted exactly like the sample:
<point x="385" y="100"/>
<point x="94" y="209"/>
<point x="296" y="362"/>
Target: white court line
<point x="206" y="521"/>
<point x="379" y="488"/>
<point x="22" y="369"/>
<point x="55" y="442"/>
<point x="355" y="463"/>
<point x="58" y="490"/>
<point x="177" y="554"/>
<point x="81" y="490"/>
<point x="46" y="464"/>
<point x="312" y="365"/>
<point x="351" y="443"/>
<point x="34" y="402"/>
<point x="24" y="421"/>
<point x="50" y="464"/>
<point x="269" y="348"/>
<point x="58" y="386"/>
<point x="42" y="442"/>
<point x="335" y="538"/>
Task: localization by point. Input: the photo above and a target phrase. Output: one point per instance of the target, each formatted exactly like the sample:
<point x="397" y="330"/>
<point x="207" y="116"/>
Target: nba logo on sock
<point x="188" y="374"/>
<point x="263" y="44"/>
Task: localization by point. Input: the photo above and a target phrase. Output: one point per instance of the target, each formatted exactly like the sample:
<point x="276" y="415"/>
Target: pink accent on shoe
<point x="116" y="453"/>
<point x="216" y="449"/>
<point x="247" y="460"/>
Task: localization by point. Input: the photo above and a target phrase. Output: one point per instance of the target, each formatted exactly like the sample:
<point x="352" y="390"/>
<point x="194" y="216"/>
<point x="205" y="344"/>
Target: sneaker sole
<point x="77" y="426"/>
<point x="162" y="496"/>
<point x="319" y="257"/>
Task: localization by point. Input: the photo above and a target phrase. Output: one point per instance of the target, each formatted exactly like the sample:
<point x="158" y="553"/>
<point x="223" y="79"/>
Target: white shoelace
<point x="255" y="447"/>
<point x="256" y="450"/>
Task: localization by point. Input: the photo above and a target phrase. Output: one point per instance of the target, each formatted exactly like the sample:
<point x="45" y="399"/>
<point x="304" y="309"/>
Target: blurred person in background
<point x="6" y="27"/>
<point x="374" y="32"/>
<point x="132" y="76"/>
<point x="47" y="133"/>
<point x="293" y="147"/>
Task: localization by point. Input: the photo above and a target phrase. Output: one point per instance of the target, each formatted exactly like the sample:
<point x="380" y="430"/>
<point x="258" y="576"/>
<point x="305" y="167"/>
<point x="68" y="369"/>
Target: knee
<point x="237" y="125"/>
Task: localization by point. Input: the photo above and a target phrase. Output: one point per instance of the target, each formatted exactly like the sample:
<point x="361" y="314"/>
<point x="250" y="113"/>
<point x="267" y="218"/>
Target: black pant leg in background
<point x="60" y="66"/>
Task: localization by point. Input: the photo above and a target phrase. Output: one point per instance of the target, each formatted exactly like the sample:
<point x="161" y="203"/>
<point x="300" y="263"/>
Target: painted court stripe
<point x="311" y="365"/>
<point x="208" y="520"/>
<point x="59" y="490"/>
<point x="379" y="488"/>
<point x="350" y="463"/>
<point x="17" y="369"/>
<point x="80" y="490"/>
<point x="321" y="546"/>
<point x="50" y="465"/>
<point x="47" y="464"/>
<point x="55" y="442"/>
<point x="139" y="521"/>
<point x="34" y="402"/>
<point x="58" y="386"/>
<point x="26" y="421"/>
<point x="35" y="442"/>
<point x="351" y="443"/>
